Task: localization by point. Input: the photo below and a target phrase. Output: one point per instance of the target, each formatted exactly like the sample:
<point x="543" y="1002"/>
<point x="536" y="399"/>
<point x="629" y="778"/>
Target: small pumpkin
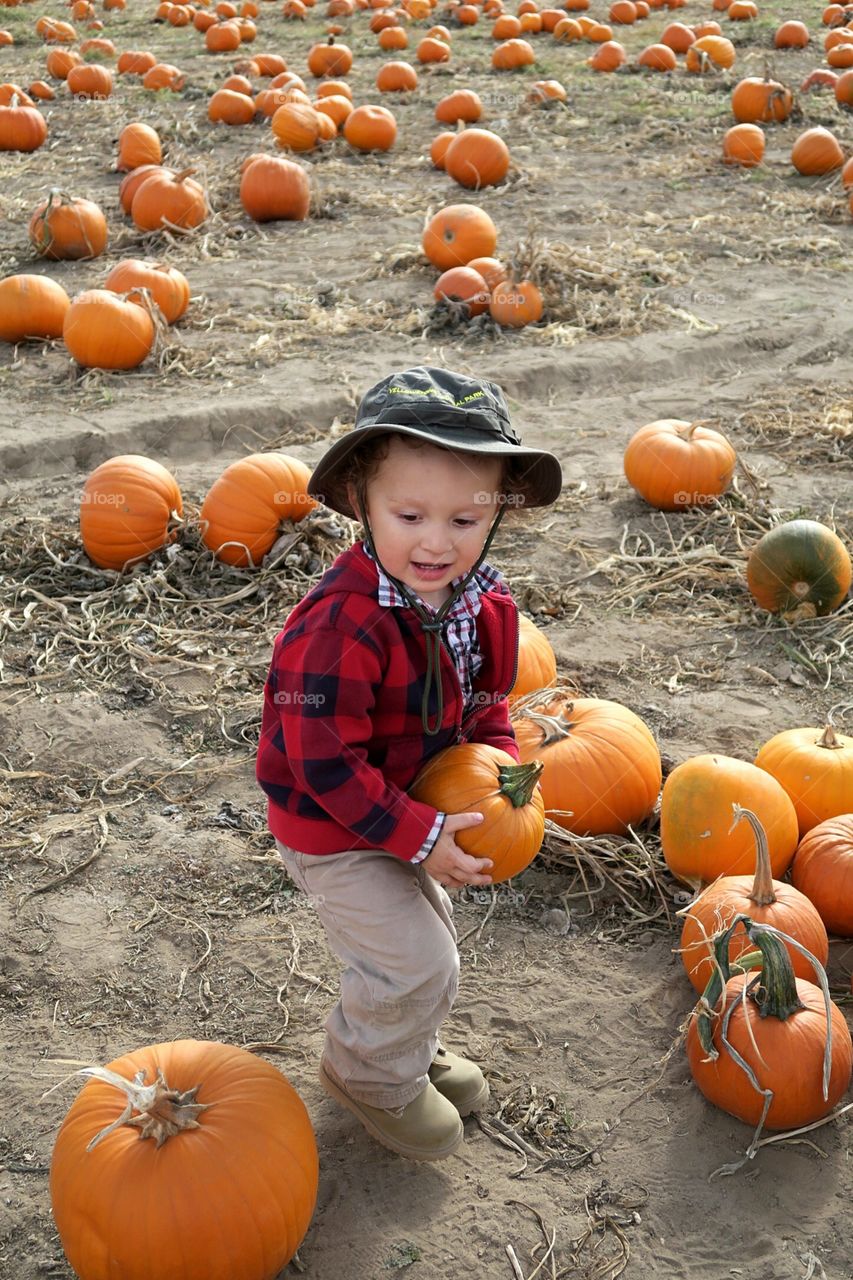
<point x="464" y="289"/>
<point x="609" y="56"/>
<point x="816" y="151"/>
<point x="744" y="144"/>
<point x="135" y="62"/>
<point x="438" y="147"/>
<point x="657" y="57"/>
<point x="474" y="777"/>
<point x="167" y="285"/>
<point x="396" y="77"/>
<point x="131" y="184"/>
<point x="816" y="769"/>
<point x="22" y="128"/>
<point x="431" y="49"/>
<point x="798" y="563"/>
<point x="516" y="304"/>
<point x="296" y="126"/>
<point x="243" y="511"/>
<point x="462" y="104"/>
<point x="130" y="507"/>
<point x="329" y="59"/>
<point x="68" y="227"/>
<point x="675" y="464"/>
<point x="370" y="128"/>
<point x="602" y="767"/>
<point x="205" y="1114"/>
<point x="458" y="233"/>
<point x="103" y="331"/>
<point x="763" y="899"/>
<point x="138" y="144"/>
<point x="778" y="1027"/>
<point x="173" y="200"/>
<point x="477" y="158"/>
<point x="229" y="107"/>
<point x="274" y="189"/>
<point x="31" y="307"/>
<point x="823" y="871"/>
<point x="90" y="81"/>
<point x="697" y="841"/>
<point x="791" y="35"/>
<point x="710" y="53"/>
<point x="512" y="55"/>
<point x="757" y="101"/>
<point x="164" y="75"/>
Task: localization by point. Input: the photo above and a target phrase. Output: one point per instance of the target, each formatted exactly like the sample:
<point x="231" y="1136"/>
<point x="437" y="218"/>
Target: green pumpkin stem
<point x="517" y="781"/>
<point x="762" y="886"/>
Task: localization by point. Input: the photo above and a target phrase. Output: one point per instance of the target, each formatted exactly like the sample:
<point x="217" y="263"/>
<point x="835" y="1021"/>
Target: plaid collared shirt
<point x="459" y="630"/>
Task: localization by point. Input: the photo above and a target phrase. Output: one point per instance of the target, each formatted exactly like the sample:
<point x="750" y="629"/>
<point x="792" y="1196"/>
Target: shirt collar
<point x="469" y="601"/>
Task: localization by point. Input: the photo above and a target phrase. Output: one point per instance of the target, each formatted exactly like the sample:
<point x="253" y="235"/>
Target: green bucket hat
<point x="451" y="411"/>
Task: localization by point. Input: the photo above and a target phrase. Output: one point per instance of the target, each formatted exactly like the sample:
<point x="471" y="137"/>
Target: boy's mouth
<point x="422" y="566"/>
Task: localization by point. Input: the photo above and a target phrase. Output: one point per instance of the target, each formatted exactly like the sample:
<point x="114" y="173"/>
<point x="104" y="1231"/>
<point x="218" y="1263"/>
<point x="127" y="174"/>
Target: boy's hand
<point x="450" y="865"/>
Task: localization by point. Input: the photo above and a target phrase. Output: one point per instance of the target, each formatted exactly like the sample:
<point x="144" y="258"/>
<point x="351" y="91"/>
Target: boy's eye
<point x="465" y="523"/>
<point x="408" y="518"/>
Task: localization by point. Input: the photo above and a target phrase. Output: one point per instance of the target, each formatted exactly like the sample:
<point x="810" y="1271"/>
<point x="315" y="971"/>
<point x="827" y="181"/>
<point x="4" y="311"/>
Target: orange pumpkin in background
<point x="675" y="464"/>
<point x="130" y="507"/>
<point x="242" y="514"/>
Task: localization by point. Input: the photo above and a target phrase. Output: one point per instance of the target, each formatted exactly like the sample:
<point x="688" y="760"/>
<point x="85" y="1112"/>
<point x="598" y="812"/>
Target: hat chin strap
<point x="430" y="624"/>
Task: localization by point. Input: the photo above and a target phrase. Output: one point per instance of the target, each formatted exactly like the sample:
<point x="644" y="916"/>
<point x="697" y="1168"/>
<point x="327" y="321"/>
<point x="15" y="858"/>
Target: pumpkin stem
<point x="183" y="175"/>
<point x="517" y="781"/>
<point x="554" y="728"/>
<point x="762" y="886"/>
<point x="164" y="1112"/>
<point x="829" y="738"/>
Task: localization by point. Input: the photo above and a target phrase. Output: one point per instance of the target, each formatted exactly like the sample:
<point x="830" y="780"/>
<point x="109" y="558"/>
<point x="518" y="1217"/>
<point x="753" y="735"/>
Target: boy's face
<point x="430" y="511"/>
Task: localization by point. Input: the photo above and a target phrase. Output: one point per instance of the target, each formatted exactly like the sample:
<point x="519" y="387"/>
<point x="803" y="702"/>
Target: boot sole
<point x="400" y="1148"/>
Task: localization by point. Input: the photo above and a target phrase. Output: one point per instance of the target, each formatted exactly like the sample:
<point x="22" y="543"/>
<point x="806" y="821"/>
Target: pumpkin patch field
<point x="220" y="223"/>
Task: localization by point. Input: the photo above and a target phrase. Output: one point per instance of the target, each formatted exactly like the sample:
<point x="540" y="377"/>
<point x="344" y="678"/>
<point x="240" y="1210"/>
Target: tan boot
<point x="460" y="1081"/>
<point x="429" y="1128"/>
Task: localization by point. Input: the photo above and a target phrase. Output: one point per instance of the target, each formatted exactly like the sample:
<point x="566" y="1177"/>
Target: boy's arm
<point x="494" y="729"/>
<point x="323" y="687"/>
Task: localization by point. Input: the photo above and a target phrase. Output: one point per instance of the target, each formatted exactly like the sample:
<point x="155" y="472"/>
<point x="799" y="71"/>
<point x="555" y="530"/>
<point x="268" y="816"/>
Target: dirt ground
<point x="141" y="898"/>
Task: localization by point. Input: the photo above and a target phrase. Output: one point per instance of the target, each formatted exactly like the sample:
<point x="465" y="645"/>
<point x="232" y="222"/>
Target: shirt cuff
<point x="428" y="844"/>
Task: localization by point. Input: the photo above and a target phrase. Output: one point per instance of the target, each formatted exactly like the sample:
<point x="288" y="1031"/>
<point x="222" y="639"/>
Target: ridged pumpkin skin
<point x="696" y="816"/>
<point x="601" y="762"/>
<point x="248" y="502"/>
<point x="467" y="778"/>
<point x="229" y="1200"/>
<point x="816" y="151"/>
<point x="815" y="766"/>
<point x="167" y="285"/>
<point x="823" y="871"/>
<point x="66" y="227"/>
<point x="765" y="901"/>
<point x="103" y="331"/>
<point x="458" y="233"/>
<point x="477" y="158"/>
<point x="789" y="1059"/>
<point x="127" y="509"/>
<point x="138" y="144"/>
<point x="537" y="665"/>
<point x="31" y="307"/>
<point x="801" y="562"/>
<point x="759" y="101"/>
<point x="272" y="189"/>
<point x="675" y="464"/>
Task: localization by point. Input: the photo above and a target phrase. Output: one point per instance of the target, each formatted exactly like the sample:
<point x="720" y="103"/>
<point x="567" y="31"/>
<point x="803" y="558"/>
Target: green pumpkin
<point x="801" y="562"/>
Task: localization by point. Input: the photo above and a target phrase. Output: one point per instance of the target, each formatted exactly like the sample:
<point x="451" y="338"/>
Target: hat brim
<point x="542" y="472"/>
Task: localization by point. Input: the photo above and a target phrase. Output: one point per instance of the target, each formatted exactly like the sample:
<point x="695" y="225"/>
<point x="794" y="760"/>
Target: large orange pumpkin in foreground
<point x="213" y="1178"/>
<point x="780" y="1031"/>
<point x="600" y="761"/>
<point x="473" y="777"/>
<point x="129" y="508"/>
<point x="697" y="841"/>
<point x="242" y="513"/>
<point x="104" y="331"/>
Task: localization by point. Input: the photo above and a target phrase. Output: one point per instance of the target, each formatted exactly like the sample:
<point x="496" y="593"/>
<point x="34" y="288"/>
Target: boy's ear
<point x="353" y="500"/>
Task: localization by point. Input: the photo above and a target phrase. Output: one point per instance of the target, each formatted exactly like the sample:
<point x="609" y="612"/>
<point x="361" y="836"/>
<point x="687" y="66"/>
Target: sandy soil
<point x="141" y="898"/>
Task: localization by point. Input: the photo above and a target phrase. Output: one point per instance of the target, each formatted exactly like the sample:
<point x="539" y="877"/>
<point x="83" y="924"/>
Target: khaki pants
<point x="391" y="924"/>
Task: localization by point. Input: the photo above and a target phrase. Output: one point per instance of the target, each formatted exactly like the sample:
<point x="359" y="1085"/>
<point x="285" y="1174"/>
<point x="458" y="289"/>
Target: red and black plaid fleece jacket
<point x="341" y="734"/>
